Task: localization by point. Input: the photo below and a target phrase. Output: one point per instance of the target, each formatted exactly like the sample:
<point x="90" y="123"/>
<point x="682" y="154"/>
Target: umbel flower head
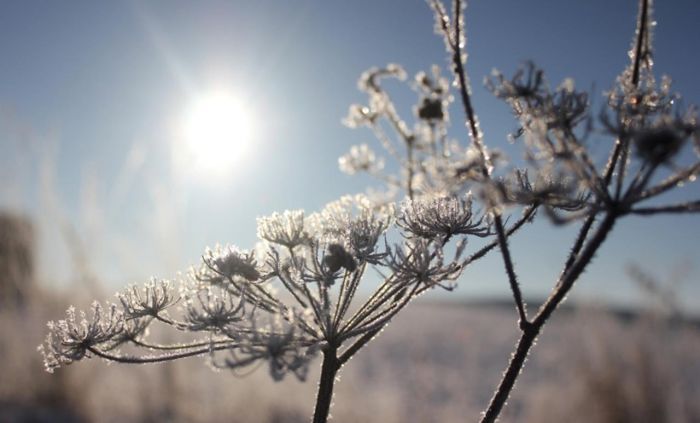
<point x="72" y="338"/>
<point x="277" y="343"/>
<point x="286" y="229"/>
<point x="360" y="159"/>
<point x="434" y="98"/>
<point x="232" y="300"/>
<point x="440" y="218"/>
<point x="232" y="262"/>
<point x="207" y="310"/>
<point x="150" y="300"/>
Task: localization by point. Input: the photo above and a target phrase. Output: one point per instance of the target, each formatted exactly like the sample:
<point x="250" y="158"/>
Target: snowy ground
<point x="435" y="363"/>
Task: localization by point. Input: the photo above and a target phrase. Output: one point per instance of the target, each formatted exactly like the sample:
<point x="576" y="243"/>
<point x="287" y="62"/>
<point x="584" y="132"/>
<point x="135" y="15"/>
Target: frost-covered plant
<point x="294" y="296"/>
<point x="290" y="299"/>
<point x="651" y="142"/>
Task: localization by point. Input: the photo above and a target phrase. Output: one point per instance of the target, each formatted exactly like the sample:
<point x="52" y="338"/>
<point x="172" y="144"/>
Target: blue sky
<point x="91" y="94"/>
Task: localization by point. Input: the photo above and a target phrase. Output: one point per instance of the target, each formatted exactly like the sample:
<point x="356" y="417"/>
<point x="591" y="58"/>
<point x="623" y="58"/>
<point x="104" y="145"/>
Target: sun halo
<point x="217" y="133"/>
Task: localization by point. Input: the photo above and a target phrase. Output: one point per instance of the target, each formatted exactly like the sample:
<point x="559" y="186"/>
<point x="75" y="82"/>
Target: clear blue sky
<point x="90" y="94"/>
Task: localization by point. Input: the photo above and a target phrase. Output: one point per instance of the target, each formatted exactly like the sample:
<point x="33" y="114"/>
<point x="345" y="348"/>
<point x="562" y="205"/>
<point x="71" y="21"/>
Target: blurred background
<point x="134" y="134"/>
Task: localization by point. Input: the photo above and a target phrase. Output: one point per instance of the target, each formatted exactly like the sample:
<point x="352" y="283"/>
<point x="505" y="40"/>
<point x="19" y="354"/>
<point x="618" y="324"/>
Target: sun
<point x="217" y="133"/>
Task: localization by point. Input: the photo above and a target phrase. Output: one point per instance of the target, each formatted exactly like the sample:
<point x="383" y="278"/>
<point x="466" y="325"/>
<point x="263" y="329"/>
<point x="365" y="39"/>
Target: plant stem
<point x="530" y="332"/>
<point x="527" y="339"/>
<point x="512" y="278"/>
<point x="409" y="168"/>
<point x="639" y="49"/>
<point x="329" y="369"/>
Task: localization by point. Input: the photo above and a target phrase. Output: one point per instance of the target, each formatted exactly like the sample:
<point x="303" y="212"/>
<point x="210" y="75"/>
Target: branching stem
<point x="329" y="369"/>
<point x="531" y="331"/>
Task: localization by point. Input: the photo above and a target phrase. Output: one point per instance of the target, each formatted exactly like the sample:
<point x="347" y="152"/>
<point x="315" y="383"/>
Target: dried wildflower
<point x="279" y="345"/>
<point x="210" y="311"/>
<point x="434" y="96"/>
<point x="540" y="110"/>
<point x="360" y="159"/>
<point x="559" y="192"/>
<point x="154" y="298"/>
<point x="354" y="223"/>
<point x="423" y="262"/>
<point x="285" y="229"/>
<point x="362" y="236"/>
<point x="70" y="339"/>
<point x="440" y="217"/>
<point x="234" y="262"/>
<point x="527" y="83"/>
<point x="568" y="107"/>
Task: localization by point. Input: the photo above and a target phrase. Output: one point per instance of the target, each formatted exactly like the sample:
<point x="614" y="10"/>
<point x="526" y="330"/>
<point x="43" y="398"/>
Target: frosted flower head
<point x="154" y="298"/>
<point x="70" y="339"/>
<point x="632" y="101"/>
<point x="363" y="235"/>
<point x="285" y="229"/>
<point x="552" y="190"/>
<point x="360" y="159"/>
<point x="233" y="262"/>
<point x="440" y="217"/>
<point x="527" y="83"/>
<point x="207" y="310"/>
<point x="566" y="108"/>
<point x="434" y="96"/>
<point x="539" y="108"/>
<point x="359" y="115"/>
<point x="355" y="224"/>
<point x="421" y="262"/>
<point x="277" y="343"/>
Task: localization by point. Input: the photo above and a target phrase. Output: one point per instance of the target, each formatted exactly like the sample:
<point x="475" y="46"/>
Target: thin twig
<point x="689" y="207"/>
<point x="512" y="278"/>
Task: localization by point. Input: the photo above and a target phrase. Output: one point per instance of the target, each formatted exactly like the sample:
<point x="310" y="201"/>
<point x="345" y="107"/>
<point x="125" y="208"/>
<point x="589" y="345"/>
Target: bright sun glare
<point x="217" y="132"/>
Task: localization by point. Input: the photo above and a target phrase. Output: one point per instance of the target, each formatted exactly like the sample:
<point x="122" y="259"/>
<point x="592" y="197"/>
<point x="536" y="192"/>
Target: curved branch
<point x="157" y="359"/>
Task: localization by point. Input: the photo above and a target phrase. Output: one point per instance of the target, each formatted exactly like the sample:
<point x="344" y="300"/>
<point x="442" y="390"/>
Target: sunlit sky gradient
<point x="92" y="95"/>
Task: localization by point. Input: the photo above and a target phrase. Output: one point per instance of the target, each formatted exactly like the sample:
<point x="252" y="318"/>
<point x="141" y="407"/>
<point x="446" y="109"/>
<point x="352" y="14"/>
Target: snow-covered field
<point x="435" y="363"/>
